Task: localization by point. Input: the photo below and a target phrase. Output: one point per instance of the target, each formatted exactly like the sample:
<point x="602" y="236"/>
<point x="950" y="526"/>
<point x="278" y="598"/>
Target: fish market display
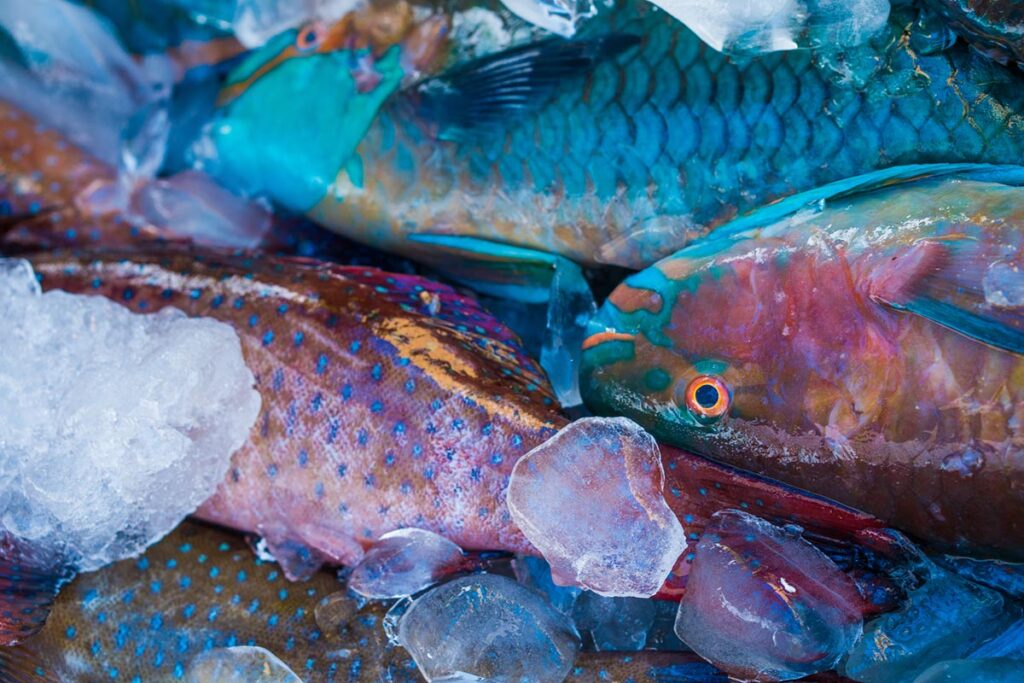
<point x="617" y="147"/>
<point x="676" y="341"/>
<point x="869" y="350"/>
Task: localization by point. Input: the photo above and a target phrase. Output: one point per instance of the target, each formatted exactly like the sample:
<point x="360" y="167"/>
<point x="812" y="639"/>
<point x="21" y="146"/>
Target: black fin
<point x="22" y="664"/>
<point x="486" y="90"/>
<point x="29" y="582"/>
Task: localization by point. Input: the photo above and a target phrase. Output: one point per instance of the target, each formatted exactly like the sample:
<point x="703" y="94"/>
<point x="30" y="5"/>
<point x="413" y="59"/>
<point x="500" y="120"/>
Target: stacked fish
<point x="545" y="341"/>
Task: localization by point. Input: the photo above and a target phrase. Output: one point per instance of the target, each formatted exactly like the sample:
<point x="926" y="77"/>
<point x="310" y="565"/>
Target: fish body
<point x="650" y="141"/>
<point x="389" y="401"/>
<point x="201" y="588"/>
<point x="867" y="348"/>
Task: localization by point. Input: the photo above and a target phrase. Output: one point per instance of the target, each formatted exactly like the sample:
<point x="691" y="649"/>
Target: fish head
<point x="694" y="348"/>
<point x="291" y="115"/>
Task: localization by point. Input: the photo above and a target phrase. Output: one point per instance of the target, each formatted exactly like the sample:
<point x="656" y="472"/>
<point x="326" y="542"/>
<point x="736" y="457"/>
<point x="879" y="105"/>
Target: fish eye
<point x="309" y="37"/>
<point x="707" y="397"/>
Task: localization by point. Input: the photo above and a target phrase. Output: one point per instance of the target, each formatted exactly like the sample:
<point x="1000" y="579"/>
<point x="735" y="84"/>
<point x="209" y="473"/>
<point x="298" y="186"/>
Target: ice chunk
<point x="334" y="612"/>
<point x="754" y="26"/>
<point x="254" y="22"/>
<point x="192" y="205"/>
<point x="239" y="665"/>
<point x="618" y="624"/>
<point x="569" y="309"/>
<point x="404" y="562"/>
<point x="945" y="618"/>
<point x="115" y="425"/>
<point x="1004" y="285"/>
<point x="590" y="500"/>
<point x="558" y="16"/>
<point x="761" y="601"/>
<point x="488" y="627"/>
<point x="75" y="76"/>
<point x="974" y="671"/>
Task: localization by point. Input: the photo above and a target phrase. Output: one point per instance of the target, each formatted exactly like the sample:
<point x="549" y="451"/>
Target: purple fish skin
<point x="389" y="401"/>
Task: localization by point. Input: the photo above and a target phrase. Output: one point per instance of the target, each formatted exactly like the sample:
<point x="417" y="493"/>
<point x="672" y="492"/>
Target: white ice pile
<point x="485" y="628"/>
<point x="114" y="425"/>
<point x="254" y="22"/>
<point x="590" y="500"/>
<point x="755" y="26"/>
<point x="239" y="665"/>
<point x="558" y="16"/>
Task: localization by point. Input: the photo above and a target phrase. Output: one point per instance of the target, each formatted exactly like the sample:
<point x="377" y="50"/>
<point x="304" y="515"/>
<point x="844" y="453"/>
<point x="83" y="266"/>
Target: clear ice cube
<point x="590" y="500"/>
<point x="404" y="562"/>
<point x="486" y="627"/>
<point x="570" y="307"/>
<point x="762" y="602"/>
<point x="245" y="664"/>
<point x="614" y="624"/>
<point x="254" y="22"/>
<point x="115" y="425"/>
<point x="535" y="574"/>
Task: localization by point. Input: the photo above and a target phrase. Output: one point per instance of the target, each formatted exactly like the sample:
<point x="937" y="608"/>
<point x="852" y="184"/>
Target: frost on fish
<point x="404" y="562"/>
<point x="115" y="425"/>
<point x="755" y="26"/>
<point x="254" y="22"/>
<point x="243" y="664"/>
<point x="486" y="627"/>
<point x="558" y="16"/>
<point x="590" y="499"/>
<point x="763" y="602"/>
<point x="946" y="617"/>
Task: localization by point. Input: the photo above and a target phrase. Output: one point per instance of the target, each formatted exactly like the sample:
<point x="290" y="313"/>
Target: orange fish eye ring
<point x="707" y="397"/>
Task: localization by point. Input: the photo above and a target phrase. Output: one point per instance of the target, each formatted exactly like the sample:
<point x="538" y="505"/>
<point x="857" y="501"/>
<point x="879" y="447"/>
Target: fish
<point x="994" y="27"/>
<point x="390" y="401"/>
<point x="201" y="588"/>
<point x="864" y="342"/>
<point x="617" y="147"/>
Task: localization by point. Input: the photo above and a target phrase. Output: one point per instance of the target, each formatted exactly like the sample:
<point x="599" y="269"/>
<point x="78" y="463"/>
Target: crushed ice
<point x="115" y="425"/>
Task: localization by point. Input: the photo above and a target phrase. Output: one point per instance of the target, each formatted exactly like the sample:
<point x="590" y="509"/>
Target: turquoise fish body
<point x="654" y="146"/>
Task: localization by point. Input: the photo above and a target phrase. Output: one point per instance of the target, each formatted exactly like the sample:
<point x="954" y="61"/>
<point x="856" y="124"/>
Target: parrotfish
<point x="391" y="401"/>
<point x="616" y="147"/>
<point x="995" y="27"/>
<point x="202" y="588"/>
<point x="864" y="342"/>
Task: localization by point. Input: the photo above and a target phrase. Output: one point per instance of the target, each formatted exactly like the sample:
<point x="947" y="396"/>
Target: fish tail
<point x="29" y="582"/>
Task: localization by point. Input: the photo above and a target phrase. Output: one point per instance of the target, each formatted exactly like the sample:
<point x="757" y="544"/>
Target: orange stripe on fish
<point x="602" y="337"/>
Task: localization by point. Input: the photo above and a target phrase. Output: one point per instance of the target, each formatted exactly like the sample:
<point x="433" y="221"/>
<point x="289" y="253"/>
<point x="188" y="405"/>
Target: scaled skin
<point x="202" y="588"/>
<point x="380" y="414"/>
<point x="832" y="388"/>
<point x="659" y="144"/>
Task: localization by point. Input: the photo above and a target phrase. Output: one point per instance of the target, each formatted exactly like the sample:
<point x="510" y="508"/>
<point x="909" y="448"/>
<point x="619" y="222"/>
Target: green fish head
<point x="291" y="115"/>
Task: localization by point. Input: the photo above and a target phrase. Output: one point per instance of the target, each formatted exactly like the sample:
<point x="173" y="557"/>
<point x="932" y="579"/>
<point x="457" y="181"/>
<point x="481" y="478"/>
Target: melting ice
<point x="762" y="602"/>
<point x="590" y="500"/>
<point x="754" y="26"/>
<point x="486" y="627"/>
<point x="558" y="16"/>
<point x="239" y="665"/>
<point x="404" y="562"/>
<point x="115" y="425"/>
